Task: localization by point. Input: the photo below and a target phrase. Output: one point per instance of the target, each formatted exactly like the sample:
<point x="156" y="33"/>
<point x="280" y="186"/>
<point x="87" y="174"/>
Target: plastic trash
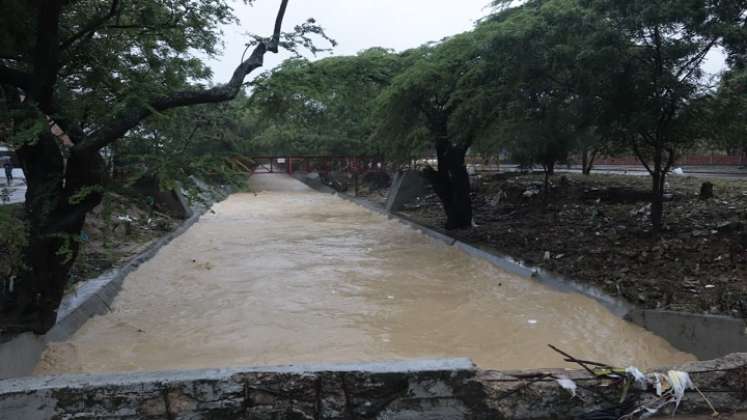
<point x="568" y="385"/>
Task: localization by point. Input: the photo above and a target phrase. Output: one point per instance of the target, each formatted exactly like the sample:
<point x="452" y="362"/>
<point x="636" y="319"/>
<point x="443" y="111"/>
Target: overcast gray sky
<point x="361" y="24"/>
<point x="355" y="24"/>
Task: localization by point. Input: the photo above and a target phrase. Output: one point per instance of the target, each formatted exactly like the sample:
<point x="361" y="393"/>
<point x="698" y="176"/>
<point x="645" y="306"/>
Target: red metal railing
<point x="289" y="164"/>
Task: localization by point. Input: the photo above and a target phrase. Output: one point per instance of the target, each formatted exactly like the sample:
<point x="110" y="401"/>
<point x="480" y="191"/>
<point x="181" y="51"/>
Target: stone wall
<point x="440" y="389"/>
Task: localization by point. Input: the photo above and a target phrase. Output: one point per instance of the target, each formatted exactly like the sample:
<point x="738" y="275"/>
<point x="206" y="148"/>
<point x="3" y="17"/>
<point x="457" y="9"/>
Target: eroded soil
<point x="118" y="229"/>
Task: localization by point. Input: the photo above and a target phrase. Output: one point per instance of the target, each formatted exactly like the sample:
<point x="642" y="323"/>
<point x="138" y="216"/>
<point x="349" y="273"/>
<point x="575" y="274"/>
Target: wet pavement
<point x="16" y="191"/>
<point x="288" y="275"/>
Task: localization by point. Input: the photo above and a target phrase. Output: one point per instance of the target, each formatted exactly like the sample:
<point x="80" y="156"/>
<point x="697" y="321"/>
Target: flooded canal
<point x="290" y="275"/>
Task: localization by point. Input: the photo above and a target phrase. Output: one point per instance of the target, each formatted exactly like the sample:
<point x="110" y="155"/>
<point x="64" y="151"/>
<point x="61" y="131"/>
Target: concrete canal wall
<point x="425" y="389"/>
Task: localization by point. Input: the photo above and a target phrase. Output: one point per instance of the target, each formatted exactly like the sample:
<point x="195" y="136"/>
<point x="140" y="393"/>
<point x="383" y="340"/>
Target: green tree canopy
<point x="321" y="107"/>
<point x="97" y="69"/>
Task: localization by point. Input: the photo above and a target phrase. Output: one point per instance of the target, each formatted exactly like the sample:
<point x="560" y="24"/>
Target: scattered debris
<point x="531" y="193"/>
<point x="706" y="191"/>
<point x="669" y="387"/>
<point x="568" y="385"/>
<point x="600" y="224"/>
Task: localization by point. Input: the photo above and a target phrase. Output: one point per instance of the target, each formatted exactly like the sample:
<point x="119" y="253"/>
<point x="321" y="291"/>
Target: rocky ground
<point x="596" y="229"/>
<point x="118" y="229"/>
<point x="121" y="227"/>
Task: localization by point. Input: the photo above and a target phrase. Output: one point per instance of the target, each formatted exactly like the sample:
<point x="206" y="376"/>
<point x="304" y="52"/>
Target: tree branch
<point x="131" y="117"/>
<point x="695" y="62"/>
<point x="92" y="26"/>
<point x="640" y="157"/>
<point x="46" y="55"/>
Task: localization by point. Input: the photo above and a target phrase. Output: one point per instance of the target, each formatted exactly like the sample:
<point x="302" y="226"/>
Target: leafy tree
<point x="204" y="141"/>
<point x="322" y="107"/>
<point x="97" y="69"/>
<point x="728" y="112"/>
<point x="531" y="91"/>
<point x="657" y="80"/>
<point x="418" y="109"/>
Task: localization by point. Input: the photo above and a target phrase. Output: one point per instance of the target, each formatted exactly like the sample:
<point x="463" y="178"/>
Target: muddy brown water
<point x="289" y="275"/>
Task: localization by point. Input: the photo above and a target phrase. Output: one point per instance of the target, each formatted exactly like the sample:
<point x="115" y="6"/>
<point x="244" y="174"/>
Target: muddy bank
<point x="595" y="229"/>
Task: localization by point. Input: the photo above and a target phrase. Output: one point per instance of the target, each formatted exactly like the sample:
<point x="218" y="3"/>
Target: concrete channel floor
<point x="286" y="275"/>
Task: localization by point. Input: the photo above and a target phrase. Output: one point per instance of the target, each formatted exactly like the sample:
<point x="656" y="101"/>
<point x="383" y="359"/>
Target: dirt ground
<point x="596" y="229"/>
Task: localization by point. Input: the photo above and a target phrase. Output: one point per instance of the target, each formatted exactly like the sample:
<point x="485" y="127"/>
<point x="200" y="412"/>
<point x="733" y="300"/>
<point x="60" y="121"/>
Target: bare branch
<point x="273" y="47"/>
<point x="131" y="117"/>
<point x="696" y="61"/>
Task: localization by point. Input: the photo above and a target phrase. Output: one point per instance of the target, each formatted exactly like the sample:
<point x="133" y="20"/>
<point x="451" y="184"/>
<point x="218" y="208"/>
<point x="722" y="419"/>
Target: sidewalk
<point x="16" y="192"/>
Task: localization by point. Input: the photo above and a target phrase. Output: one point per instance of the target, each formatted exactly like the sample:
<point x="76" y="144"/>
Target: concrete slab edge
<point x="693" y="333"/>
<point x="20" y="355"/>
<point x="406" y="390"/>
<point x="95" y="297"/>
<point x="38" y="383"/>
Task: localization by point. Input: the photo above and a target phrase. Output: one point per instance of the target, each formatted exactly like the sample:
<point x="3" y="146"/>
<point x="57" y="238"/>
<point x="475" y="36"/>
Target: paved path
<point x="16" y="191"/>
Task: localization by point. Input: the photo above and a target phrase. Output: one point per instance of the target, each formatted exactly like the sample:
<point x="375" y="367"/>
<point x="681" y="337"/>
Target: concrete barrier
<point x="406" y="188"/>
<point x="705" y="336"/>
<point x="424" y="389"/>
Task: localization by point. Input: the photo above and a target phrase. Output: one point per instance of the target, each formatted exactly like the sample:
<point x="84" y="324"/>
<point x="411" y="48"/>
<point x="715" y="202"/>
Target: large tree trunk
<point x="658" y="170"/>
<point x="60" y="192"/>
<point x="658" y="178"/>
<point x="58" y="197"/>
<point x="451" y="184"/>
<point x="587" y="164"/>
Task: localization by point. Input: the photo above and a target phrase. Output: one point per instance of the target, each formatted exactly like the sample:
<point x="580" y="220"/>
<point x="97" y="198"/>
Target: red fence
<point x="290" y="164"/>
